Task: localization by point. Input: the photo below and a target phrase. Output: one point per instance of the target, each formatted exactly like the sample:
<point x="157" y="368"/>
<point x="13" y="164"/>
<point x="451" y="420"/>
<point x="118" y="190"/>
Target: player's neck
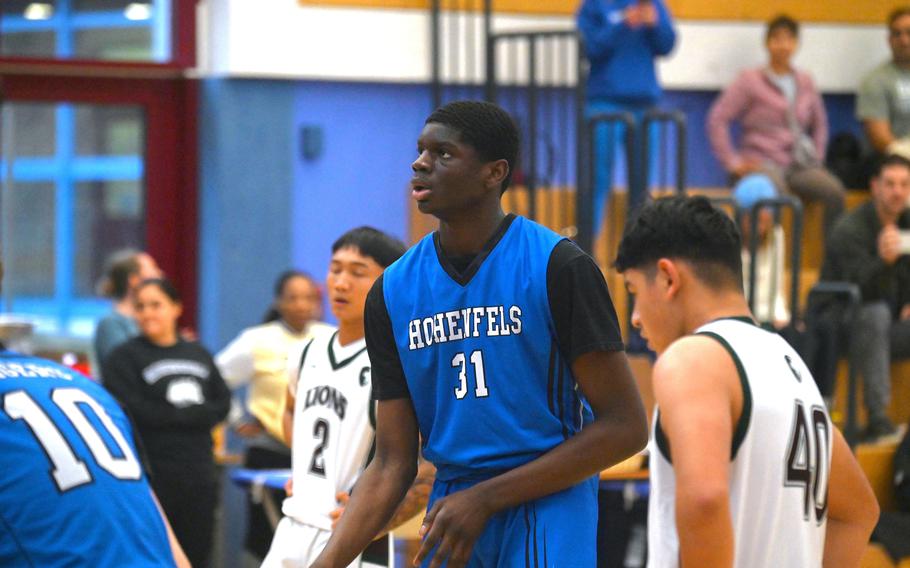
<point x="714" y="305"/>
<point x="349" y="332"/>
<point x="467" y="233"/>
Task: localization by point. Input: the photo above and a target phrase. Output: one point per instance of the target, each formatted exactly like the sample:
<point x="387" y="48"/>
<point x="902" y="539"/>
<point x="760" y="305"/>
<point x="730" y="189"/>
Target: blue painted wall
<point x="247" y="149"/>
<point x="369" y="134"/>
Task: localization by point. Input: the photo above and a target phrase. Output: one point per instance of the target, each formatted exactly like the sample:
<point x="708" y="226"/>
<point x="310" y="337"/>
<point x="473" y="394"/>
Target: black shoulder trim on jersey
<point x="471" y="270"/>
<point x="335" y="363"/>
<point x="742" y="319"/>
<point x="742" y="426"/>
<point x="303" y="357"/>
<point x="551" y="371"/>
<point x="663" y="444"/>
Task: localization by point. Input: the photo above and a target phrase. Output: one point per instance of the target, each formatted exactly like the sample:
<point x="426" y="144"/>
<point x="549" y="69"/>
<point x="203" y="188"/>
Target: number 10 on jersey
<point x="459" y="361"/>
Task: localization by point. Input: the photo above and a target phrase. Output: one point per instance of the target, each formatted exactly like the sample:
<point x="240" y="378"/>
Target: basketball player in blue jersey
<point x="747" y="470"/>
<point x="495" y="345"/>
<point x="72" y="491"/>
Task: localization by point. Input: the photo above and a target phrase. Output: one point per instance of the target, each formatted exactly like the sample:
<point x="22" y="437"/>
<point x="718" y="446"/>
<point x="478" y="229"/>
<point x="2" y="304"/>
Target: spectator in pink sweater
<point x="783" y="125"/>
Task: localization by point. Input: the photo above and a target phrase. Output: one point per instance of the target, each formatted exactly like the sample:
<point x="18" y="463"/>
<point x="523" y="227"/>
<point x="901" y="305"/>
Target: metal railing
<point x="539" y="77"/>
<point x="459" y="38"/>
<point x="777" y="206"/>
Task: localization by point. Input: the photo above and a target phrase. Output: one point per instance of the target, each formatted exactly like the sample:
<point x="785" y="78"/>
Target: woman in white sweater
<point x="258" y="359"/>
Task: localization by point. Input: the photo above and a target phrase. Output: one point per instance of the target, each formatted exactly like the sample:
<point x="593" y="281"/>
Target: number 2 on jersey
<point x="808" y="456"/>
<point x="459" y="362"/>
<point x="321" y="433"/>
<point x="69" y="471"/>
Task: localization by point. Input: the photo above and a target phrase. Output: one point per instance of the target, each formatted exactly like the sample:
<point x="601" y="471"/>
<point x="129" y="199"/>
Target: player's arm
<point x="695" y="386"/>
<point x="391" y="472"/>
<point x="287" y="419"/>
<point x="180" y="558"/>
<point x="415" y="500"/>
<point x="852" y="508"/>
<point x="380" y="488"/>
<point x="294" y="368"/>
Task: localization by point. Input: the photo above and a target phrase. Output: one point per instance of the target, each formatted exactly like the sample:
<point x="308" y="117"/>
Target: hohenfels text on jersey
<point x="455" y="325"/>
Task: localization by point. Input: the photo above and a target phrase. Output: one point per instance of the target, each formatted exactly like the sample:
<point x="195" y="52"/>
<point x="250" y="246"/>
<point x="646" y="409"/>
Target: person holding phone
<point x="866" y="249"/>
<point x="622" y="39"/>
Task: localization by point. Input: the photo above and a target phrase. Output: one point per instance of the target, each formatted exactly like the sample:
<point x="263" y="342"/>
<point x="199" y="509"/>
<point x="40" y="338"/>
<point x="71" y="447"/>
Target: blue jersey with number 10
<point x="489" y="385"/>
<point x="72" y="491"/>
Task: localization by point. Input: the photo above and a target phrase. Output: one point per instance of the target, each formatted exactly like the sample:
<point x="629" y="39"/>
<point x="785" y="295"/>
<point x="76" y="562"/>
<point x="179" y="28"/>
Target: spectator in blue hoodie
<point x="622" y="38"/>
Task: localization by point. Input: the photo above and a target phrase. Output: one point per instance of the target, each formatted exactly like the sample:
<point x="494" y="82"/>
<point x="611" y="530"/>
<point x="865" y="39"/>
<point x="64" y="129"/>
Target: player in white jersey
<point x="329" y="413"/>
<point x="746" y="467"/>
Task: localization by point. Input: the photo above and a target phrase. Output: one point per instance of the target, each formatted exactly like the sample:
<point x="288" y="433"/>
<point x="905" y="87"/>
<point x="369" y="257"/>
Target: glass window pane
<point x="26" y="7"/>
<point x="28" y="44"/>
<point x="114" y="44"/>
<point x="28" y="219"/>
<point x="102" y="5"/>
<point x="102" y="30"/>
<point x="110" y="215"/>
<point x="34" y="125"/>
<point x="66" y="205"/>
<point x="108" y="130"/>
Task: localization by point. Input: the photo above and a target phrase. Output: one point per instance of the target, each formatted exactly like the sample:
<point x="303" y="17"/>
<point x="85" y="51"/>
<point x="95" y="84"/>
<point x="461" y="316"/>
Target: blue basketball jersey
<point x="479" y="353"/>
<point x="72" y="490"/>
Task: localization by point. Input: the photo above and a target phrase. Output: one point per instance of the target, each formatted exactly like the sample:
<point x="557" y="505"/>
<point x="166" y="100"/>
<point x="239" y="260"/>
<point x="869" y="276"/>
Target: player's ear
<point x="667" y="277"/>
<point x="496" y="172"/>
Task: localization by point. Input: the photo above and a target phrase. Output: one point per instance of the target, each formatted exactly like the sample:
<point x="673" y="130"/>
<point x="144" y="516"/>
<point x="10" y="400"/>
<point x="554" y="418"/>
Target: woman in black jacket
<point x="175" y="395"/>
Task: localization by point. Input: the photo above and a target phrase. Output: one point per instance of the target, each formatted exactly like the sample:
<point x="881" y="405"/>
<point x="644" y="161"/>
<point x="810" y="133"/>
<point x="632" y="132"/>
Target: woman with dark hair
<point x="175" y="395"/>
<point x="783" y="124"/>
<point x="124" y="270"/>
<point x="259" y="358"/>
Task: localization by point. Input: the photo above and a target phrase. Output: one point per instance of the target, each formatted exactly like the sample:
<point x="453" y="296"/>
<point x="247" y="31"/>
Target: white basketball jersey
<point x="333" y="427"/>
<point x="781" y="459"/>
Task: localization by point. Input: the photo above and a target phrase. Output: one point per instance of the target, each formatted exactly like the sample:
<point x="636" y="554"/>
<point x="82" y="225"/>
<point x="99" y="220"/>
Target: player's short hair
<point x="782" y="22"/>
<point x="381" y="247"/>
<point x="897" y="14"/>
<point x="685" y="228"/>
<point x="118" y="268"/>
<point x="889" y="161"/>
<point x="485" y="127"/>
<point x="163" y="284"/>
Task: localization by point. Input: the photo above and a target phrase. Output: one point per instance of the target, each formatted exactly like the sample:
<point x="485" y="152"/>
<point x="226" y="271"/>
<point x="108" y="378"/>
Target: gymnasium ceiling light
<point x="38" y="11"/>
<point x="138" y="11"/>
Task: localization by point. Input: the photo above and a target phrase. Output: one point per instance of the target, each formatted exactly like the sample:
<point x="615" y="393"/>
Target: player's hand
<point x="453" y="524"/>
<point x="289" y="487"/>
<point x="342" y="497"/>
<point x="905" y="312"/>
<point x="249" y="429"/>
<point x="889" y="244"/>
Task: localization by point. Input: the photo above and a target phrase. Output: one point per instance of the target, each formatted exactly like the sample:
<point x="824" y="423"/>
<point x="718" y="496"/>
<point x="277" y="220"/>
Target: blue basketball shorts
<point x="556" y="531"/>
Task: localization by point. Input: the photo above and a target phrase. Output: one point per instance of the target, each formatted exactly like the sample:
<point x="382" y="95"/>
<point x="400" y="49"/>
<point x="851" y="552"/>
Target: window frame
<point x="170" y="162"/>
<point x="182" y="43"/>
